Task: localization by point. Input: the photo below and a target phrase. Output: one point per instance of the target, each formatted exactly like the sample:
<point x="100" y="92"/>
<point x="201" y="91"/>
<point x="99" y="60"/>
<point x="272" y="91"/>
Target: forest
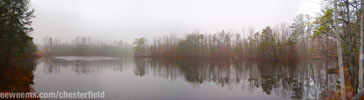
<point x="306" y="38"/>
<point x="280" y="43"/>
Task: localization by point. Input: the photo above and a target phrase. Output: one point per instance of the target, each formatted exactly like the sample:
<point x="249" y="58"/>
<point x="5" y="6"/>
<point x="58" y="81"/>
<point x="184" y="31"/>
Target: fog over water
<point x="182" y="49"/>
<point x="128" y="19"/>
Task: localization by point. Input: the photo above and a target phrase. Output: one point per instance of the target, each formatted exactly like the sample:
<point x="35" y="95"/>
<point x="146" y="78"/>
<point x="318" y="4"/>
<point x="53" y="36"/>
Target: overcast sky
<point x="129" y="19"/>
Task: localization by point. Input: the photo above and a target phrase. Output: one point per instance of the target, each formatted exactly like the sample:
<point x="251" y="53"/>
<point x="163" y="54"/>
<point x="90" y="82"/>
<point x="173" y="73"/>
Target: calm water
<point x="147" y="79"/>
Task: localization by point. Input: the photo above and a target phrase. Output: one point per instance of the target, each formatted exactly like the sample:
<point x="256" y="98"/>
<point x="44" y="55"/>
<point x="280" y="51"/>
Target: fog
<point x="129" y="19"/>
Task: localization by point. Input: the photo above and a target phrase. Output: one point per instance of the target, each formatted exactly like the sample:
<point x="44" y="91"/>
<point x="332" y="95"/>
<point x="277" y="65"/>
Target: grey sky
<point x="129" y="19"/>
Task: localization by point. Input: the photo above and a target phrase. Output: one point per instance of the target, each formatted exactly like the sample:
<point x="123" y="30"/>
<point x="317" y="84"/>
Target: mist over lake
<point x="182" y="50"/>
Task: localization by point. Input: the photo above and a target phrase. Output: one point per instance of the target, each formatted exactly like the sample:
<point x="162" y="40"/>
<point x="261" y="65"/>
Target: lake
<point x="151" y="79"/>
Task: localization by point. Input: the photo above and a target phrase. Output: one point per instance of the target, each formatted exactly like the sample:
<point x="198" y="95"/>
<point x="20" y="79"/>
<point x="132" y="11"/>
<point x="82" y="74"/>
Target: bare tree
<point x="339" y="53"/>
<point x="361" y="47"/>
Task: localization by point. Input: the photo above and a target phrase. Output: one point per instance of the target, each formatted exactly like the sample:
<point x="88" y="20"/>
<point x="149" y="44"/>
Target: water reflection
<point x="304" y="80"/>
<point x="83" y="65"/>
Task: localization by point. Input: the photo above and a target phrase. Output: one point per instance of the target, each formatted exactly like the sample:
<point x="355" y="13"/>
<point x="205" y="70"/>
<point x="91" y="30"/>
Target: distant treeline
<point x="222" y="45"/>
<point x="83" y="46"/>
<point x="283" y="42"/>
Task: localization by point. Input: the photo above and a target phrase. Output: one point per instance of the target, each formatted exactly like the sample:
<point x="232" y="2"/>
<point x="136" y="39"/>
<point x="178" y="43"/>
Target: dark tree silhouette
<point x="15" y="21"/>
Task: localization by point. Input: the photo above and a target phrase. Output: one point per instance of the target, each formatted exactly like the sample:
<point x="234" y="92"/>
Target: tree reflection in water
<point x="83" y="65"/>
<point x="303" y="80"/>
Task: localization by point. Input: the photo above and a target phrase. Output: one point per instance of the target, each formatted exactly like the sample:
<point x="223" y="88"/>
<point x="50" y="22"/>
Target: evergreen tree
<point x="15" y="21"/>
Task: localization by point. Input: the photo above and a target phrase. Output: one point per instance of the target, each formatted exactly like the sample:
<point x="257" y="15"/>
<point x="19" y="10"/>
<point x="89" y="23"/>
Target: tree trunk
<point x="339" y="53"/>
<point x="361" y="69"/>
<point x="351" y="49"/>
